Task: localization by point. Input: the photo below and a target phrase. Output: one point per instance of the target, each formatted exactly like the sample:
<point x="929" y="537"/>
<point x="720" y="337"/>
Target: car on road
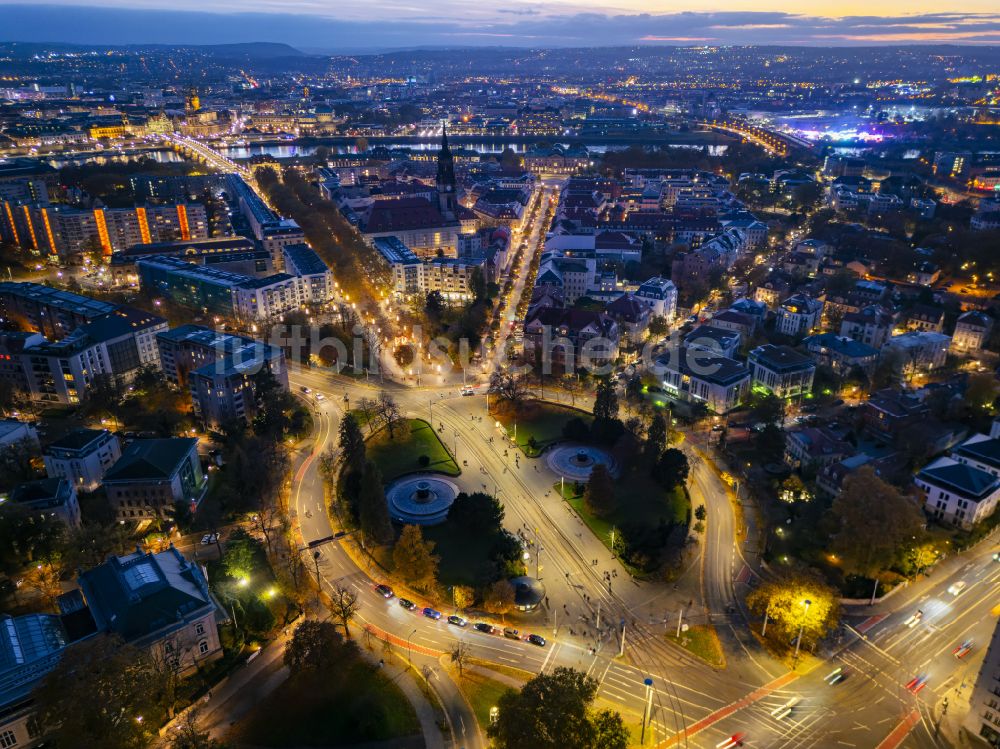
<point x="384" y="590"/>
<point x="917" y="683"/>
<point x="784" y="710"/>
<point x="537" y="640"/>
<point x="407" y="604"/>
<point x="511" y="634"/>
<point x="209" y="538"/>
<point x="488" y="629"/>
<point x="432" y="613"/>
<point x="457" y="620"/>
<point x="963" y="650"/>
<point x="914" y="619"/>
<point x="320" y="397"/>
<point x="736" y="739"/>
<point x="956" y="588"/>
<point x="305" y="390"/>
<point x="836" y="676"/>
<point x="717" y="427"/>
<point x="996" y="556"/>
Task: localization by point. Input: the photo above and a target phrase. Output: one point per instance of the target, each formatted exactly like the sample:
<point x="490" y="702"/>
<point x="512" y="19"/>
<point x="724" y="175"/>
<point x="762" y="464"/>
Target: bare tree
<point x="367" y="406"/>
<point x="388" y="411"/>
<point x="510" y="388"/>
<point x="460" y="655"/>
<point x="264" y="520"/>
<point x="344" y="604"/>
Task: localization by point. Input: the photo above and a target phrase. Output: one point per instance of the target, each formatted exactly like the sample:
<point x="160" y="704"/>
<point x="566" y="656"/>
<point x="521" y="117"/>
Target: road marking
<point x="870" y="622"/>
<point x="901" y="731"/>
<point x="724" y="712"/>
<point x="744" y="576"/>
<point x="548" y="657"/>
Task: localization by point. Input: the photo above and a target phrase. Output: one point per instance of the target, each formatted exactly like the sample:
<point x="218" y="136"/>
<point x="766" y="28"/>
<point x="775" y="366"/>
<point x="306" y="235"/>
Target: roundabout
<point x="420" y="500"/>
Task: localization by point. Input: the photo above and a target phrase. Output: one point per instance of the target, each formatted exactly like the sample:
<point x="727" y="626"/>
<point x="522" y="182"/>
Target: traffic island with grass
<point x="535" y="425"/>
<point x="703" y="641"/>
<point x="482" y="692"/>
<point x="647" y="528"/>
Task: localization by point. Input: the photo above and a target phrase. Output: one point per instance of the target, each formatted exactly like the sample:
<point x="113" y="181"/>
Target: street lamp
<point x="409" y="651"/>
<point x="646" y="709"/>
<point x="798" y="640"/>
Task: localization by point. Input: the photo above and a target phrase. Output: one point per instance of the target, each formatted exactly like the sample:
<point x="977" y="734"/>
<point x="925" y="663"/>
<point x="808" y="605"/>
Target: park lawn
<point x="482" y="692"/>
<point x="360" y="706"/>
<point x="541" y="420"/>
<point x="399" y="456"/>
<point x="632" y="495"/>
<point x="702" y="641"/>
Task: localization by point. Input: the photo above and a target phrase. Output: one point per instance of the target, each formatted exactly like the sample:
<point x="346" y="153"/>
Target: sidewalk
<point x="406" y="680"/>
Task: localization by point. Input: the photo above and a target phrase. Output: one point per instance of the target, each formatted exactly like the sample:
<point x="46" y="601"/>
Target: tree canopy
<point x="554" y="711"/>
<point x="875" y="523"/>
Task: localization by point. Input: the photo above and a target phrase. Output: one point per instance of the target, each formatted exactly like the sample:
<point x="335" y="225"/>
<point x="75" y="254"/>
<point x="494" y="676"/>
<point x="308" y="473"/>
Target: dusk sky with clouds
<point x="391" y="24"/>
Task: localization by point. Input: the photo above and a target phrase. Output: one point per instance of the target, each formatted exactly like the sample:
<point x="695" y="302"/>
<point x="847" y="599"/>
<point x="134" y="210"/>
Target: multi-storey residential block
<point x="798" y="315"/>
<point x="61" y="231"/>
<point x="219" y="369"/>
<point x="958" y="493"/>
<point x="82" y="457"/>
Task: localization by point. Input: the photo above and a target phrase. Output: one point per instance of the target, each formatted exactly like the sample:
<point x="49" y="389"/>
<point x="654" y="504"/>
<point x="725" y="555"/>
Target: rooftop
<point x="140" y="594"/>
<point x="781" y="358"/>
<point x="78" y="439"/>
<point x="965" y="481"/>
<point x="152" y="459"/>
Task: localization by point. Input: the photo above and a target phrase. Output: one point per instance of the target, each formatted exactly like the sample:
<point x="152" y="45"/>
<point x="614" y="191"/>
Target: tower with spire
<point x="446" y="179"/>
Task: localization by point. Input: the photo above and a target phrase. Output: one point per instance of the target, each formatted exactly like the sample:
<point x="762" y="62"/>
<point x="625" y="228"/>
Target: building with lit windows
<point x="156" y="602"/>
<point x="30" y="647"/>
<point x="700" y="376"/>
<point x="219" y="369"/>
<point x="63" y="232"/>
<point x="116" y="345"/>
<point x="221" y="292"/>
<point x="82" y="457"/>
<point x="798" y="315"/>
<point x="315" y="275"/>
<point x="152" y="475"/>
<point x="52" y="312"/>
<point x="782" y="371"/>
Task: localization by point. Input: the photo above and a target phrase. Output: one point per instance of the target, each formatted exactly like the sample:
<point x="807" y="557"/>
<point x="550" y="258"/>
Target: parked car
<point x="384" y="590"/>
<point x="537" y="640"/>
<point x="432" y="613"/>
<point x="407" y="604"/>
<point x="485" y="628"/>
<point x="511" y="634"/>
<point x="457" y="620"/>
<point x="209" y="538"/>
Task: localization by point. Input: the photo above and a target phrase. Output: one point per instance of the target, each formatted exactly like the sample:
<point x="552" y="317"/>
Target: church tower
<point x="446" y="179"/>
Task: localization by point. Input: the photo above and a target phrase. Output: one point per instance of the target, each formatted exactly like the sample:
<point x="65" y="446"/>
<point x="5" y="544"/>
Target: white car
<point x="914" y="619"/>
<point x="958" y="587"/>
<point x="320" y="397"/>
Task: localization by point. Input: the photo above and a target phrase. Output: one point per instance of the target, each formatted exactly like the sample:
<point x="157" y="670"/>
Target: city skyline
<point x="313" y="28"/>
